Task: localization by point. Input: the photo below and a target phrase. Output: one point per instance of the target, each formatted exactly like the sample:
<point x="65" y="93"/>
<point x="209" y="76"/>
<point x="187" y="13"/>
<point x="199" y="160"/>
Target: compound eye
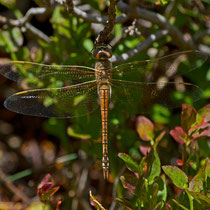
<point x="102" y="53"/>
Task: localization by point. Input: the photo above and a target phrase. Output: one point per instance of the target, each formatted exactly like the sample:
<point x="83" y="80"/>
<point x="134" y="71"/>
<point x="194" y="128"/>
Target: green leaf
<point x="178" y="177"/>
<point x="155" y="166"/>
<point x="73" y="133"/>
<point x="38" y="206"/>
<point x="125" y="203"/>
<point x="129" y="162"/>
<point x="8" y="3"/>
<point x="188" y="116"/>
<point x="11" y="39"/>
<point x="179" y="204"/>
<point x="88" y="44"/>
<point x="162" y="191"/>
<point x="201" y="198"/>
<point x="197" y="184"/>
<point x="94" y="202"/>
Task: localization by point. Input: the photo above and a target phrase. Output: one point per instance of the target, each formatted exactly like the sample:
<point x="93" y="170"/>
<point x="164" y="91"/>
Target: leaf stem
<point x="190" y="200"/>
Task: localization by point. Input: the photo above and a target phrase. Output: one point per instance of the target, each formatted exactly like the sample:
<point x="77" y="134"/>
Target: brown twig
<point x="104" y="35"/>
<point x="13" y="188"/>
<point x="88" y="17"/>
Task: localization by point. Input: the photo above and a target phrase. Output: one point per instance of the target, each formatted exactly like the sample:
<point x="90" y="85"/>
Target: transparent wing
<point x="139" y="97"/>
<point x="169" y="65"/>
<point x="40" y="75"/>
<point x="65" y="102"/>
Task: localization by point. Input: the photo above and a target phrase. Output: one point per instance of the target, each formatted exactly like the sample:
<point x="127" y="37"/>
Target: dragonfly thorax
<point x="103" y="68"/>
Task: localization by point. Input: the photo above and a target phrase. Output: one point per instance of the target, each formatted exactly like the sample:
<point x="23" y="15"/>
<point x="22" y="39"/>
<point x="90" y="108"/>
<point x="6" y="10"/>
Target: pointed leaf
<point x="129" y="162"/>
<point x="188" y="116"/>
<point x="160" y="136"/>
<point x="94" y="202"/>
<point x="198" y="181"/>
<point x="200" y="130"/>
<point x="58" y="204"/>
<point x="180" y="205"/>
<point x="162" y="191"/>
<point x="145" y="149"/>
<point x="145" y="128"/>
<point x="127" y="185"/>
<point x="179" y="135"/>
<point x="46" y="188"/>
<point x="201" y="198"/>
<point x="205" y="113"/>
<point x="124" y="203"/>
<point x="178" y="177"/>
<point x="155" y="166"/>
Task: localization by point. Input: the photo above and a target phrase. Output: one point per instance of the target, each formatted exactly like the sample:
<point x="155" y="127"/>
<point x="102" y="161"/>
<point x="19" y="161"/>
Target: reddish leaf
<point x="198" y="181"/>
<point x="46" y="188"/>
<point x="200" y="130"/>
<point x="94" y="202"/>
<point x="58" y="204"/>
<point x="201" y="198"/>
<point x="126" y="185"/>
<point x="205" y="113"/>
<point x="179" y="135"/>
<point x="145" y="128"/>
<point x="145" y="150"/>
<point x="188" y="116"/>
<point x="179" y="162"/>
<point x="161" y="135"/>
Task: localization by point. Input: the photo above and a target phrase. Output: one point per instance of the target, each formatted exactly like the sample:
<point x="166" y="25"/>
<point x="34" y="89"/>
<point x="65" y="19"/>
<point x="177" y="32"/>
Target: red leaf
<point x="58" y="204"/>
<point x="145" y="150"/>
<point x="46" y="188"/>
<point x="145" y="128"/>
<point x="179" y="135"/>
<point x="179" y="162"/>
<point x="188" y="116"/>
<point x="205" y="113"/>
<point x="200" y="130"/>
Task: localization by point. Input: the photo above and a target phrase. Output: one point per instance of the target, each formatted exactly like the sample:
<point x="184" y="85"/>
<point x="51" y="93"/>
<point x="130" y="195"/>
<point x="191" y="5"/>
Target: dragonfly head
<point x="102" y="52"/>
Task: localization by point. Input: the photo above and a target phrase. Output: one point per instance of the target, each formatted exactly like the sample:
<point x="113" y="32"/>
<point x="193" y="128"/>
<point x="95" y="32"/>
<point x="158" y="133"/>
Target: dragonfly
<point x="80" y="90"/>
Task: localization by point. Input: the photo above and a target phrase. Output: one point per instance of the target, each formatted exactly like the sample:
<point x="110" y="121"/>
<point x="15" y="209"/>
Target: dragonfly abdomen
<point x="104" y="95"/>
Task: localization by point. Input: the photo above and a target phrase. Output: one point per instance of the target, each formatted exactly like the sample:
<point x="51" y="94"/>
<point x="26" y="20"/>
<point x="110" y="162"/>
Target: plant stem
<point x="190" y="200"/>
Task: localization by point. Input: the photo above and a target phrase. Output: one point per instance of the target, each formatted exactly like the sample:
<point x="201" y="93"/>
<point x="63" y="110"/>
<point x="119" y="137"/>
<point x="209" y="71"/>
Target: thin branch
<point x="23" y="22"/>
<point x="161" y="21"/>
<point x="103" y="36"/>
<point x="200" y="35"/>
<point x="31" y="12"/>
<point x="37" y="32"/>
<point x="13" y="188"/>
<point x="144" y="45"/>
<point x="88" y="17"/>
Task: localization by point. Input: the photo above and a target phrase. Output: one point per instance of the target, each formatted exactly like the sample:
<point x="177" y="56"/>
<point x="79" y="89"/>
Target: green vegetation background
<point x="78" y="139"/>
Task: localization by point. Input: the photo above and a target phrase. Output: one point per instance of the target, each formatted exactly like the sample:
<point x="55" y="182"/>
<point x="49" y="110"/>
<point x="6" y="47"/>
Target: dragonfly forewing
<point x="34" y="75"/>
<point x="170" y="65"/>
<point x="66" y="102"/>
